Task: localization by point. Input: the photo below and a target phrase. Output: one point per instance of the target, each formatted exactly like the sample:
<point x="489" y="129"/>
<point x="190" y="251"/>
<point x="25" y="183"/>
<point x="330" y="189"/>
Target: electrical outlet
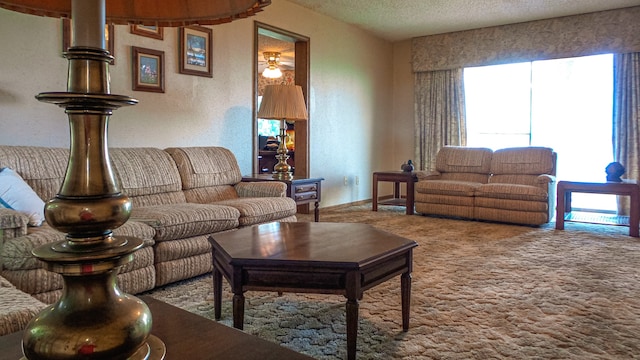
<point x="357" y="180"/>
<point x="346" y="181"/>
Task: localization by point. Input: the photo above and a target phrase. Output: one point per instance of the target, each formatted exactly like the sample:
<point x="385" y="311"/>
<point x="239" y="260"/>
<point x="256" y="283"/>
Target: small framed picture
<point x="109" y="38"/>
<point x="195" y="50"/>
<point x="155" y="32"/>
<point x="148" y="69"/>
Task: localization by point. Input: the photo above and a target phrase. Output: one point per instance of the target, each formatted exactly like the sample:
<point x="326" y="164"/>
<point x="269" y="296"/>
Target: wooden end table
<point x="188" y="336"/>
<point x="324" y="258"/>
<point x="396" y="177"/>
<point x="626" y="188"/>
<point x="302" y="190"/>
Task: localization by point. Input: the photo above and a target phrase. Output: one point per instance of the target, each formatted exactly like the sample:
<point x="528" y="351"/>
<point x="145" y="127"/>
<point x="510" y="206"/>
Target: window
<point x="565" y="104"/>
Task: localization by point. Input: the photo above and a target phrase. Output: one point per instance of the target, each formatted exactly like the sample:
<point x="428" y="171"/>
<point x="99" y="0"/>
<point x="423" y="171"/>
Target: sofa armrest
<point x="546" y="179"/>
<point x="12" y="224"/>
<point x="428" y="175"/>
<point x="261" y="189"/>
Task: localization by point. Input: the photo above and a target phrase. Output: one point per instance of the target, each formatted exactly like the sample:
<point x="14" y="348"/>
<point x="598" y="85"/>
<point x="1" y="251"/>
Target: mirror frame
<point x="302" y="76"/>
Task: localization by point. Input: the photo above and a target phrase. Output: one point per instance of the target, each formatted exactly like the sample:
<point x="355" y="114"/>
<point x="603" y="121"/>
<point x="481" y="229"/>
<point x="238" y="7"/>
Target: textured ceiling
<point x="396" y="20"/>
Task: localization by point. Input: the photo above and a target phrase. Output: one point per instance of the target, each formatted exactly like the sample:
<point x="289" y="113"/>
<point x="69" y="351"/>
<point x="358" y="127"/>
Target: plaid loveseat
<point x="514" y="185"/>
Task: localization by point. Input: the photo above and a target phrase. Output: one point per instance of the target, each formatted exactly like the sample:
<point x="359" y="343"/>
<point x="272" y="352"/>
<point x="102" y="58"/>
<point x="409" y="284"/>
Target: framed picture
<point x="109" y="38"/>
<point x="155" y="32"/>
<point x="195" y="51"/>
<point x="148" y="69"/>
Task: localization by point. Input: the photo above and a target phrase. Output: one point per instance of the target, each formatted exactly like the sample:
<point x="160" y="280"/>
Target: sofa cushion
<point x="512" y="191"/>
<point x="445" y="187"/>
<point x="462" y="159"/>
<point x="260" y="210"/>
<point x="529" y="160"/>
<point x="178" y="221"/>
<point x="42" y="168"/>
<point x="205" y="166"/>
<point x="147" y="175"/>
<point x="16" y="194"/>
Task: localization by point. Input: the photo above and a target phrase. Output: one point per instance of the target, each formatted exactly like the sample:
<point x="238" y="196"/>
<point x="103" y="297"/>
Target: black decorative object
<point x="614" y="170"/>
<point x="408" y="166"/>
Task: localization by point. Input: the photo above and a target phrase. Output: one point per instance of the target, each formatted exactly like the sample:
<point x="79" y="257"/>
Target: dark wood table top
<point x="336" y="245"/>
<point x="188" y="336"/>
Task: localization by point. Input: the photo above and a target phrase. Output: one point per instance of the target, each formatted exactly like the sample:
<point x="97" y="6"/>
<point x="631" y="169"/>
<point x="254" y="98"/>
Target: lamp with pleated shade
<point x="284" y="103"/>
<point x="93" y="319"/>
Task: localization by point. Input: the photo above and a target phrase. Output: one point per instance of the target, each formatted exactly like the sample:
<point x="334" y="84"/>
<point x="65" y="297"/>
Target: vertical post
<point x="87" y="23"/>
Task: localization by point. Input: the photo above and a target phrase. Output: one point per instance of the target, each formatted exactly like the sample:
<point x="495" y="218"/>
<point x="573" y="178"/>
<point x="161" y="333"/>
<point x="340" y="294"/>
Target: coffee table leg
<point x="405" y="291"/>
<point x="352" y="327"/>
<point x="217" y="293"/>
<point x="238" y="311"/>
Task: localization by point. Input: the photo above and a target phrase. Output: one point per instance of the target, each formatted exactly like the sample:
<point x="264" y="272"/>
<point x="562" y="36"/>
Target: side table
<point x="626" y="188"/>
<point x="396" y="177"/>
<point x="302" y="190"/>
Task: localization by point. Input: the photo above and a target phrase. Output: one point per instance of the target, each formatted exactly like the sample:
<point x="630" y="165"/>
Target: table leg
<point x="217" y="292"/>
<point x="374" y="205"/>
<point x="405" y="291"/>
<point x="396" y="190"/>
<point x="316" y="213"/>
<point x="352" y="327"/>
<point x="634" y="212"/>
<point x="410" y="196"/>
<point x="238" y="310"/>
<point x="560" y="209"/>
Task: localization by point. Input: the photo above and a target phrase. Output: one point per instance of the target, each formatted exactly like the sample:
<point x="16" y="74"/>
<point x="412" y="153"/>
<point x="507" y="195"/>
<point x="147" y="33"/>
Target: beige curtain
<point x="626" y="118"/>
<point x="440" y="114"/>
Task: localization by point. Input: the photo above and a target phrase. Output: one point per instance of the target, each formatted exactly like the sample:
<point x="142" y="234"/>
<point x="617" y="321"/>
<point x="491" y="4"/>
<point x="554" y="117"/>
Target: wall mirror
<point x="281" y="57"/>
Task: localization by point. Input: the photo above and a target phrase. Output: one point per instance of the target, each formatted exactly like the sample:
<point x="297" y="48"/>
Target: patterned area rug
<point x="480" y="291"/>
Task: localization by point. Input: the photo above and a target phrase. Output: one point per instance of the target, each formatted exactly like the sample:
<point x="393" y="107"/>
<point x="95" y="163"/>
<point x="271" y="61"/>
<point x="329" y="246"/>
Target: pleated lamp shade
<point x="150" y="12"/>
<point x="283" y="102"/>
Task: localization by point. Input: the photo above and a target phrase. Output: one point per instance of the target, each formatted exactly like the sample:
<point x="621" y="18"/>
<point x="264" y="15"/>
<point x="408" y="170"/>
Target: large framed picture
<point x="148" y="69"/>
<point x="195" y="50"/>
<point x="155" y="32"/>
<point x="109" y="38"/>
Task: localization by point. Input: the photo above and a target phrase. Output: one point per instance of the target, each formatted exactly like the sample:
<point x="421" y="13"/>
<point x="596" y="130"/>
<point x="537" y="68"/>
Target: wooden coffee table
<point x="325" y="258"/>
<point x="188" y="336"/>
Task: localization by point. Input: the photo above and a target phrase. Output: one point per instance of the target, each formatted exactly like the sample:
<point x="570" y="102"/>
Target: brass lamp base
<point x="282" y="170"/>
<point x="93" y="319"/>
<point x="152" y="349"/>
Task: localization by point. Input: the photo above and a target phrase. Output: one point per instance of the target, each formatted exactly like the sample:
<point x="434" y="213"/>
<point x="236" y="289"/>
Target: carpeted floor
<point x="480" y="291"/>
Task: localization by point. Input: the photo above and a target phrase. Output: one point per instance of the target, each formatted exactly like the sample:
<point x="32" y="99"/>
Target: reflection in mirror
<point x="276" y="65"/>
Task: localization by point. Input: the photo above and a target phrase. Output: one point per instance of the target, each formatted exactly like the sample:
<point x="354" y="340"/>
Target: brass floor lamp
<point x="93" y="319"/>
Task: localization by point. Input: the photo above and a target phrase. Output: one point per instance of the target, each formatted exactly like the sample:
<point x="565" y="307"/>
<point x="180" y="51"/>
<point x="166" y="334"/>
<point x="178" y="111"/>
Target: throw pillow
<point x="16" y="194"/>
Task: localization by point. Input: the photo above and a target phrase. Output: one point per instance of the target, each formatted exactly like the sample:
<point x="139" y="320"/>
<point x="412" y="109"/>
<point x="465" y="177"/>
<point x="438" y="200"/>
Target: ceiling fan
<point x="285" y="49"/>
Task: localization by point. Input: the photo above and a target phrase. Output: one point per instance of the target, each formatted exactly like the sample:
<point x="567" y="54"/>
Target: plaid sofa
<point x="514" y="185"/>
<point x="179" y="197"/>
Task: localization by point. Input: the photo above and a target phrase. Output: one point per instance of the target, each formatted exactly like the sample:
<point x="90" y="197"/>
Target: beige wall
<point x="350" y="99"/>
<point x="403" y="108"/>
